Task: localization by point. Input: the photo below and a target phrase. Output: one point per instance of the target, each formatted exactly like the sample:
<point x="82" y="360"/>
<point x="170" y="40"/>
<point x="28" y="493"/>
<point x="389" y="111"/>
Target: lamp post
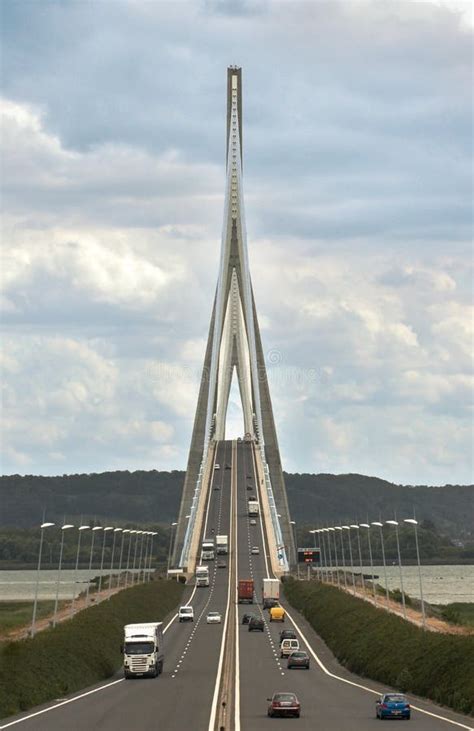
<point x="116" y="530"/>
<point x="295" y="538"/>
<point x="326" y="532"/>
<point x="94" y="529"/>
<point x="395" y="525"/>
<point x="339" y="528"/>
<point x="414" y="523"/>
<point x="64" y="528"/>
<point x="367" y="525"/>
<point x="43" y="527"/>
<point x="348" y="529"/>
<point x="313" y="532"/>
<point x="379" y="525"/>
<point x="144" y="532"/>
<point x="362" y="580"/>
<point x="79" y="534"/>
<point x="172" y="526"/>
<point x="153" y="534"/>
<point x="323" y="532"/>
<point x="137" y="533"/>
<point x="145" y="555"/>
<point x="333" y="531"/>
<point x="128" y="557"/>
<point x="126" y="530"/>
<point x="106" y="530"/>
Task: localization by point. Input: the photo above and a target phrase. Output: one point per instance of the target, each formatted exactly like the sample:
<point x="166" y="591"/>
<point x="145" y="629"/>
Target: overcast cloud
<point x="358" y="184"/>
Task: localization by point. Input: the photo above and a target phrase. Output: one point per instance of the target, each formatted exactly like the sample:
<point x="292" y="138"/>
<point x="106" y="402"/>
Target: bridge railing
<point x="278" y="536"/>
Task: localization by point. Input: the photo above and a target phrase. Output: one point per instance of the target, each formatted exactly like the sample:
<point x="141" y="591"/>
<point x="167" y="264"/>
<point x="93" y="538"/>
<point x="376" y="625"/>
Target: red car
<point x="284" y="704"/>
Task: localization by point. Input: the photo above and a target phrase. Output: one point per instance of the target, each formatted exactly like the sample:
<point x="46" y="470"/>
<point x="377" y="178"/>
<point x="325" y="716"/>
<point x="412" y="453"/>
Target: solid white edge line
<point x="364" y="687"/>
<point x="212" y="718"/>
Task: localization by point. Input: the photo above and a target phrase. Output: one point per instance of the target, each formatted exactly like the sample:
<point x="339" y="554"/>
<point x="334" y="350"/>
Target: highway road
<point x="182" y="697"/>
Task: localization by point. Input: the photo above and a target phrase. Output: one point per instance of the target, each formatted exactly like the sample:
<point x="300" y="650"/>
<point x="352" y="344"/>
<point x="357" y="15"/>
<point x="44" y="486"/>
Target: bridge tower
<point x="234" y="342"/>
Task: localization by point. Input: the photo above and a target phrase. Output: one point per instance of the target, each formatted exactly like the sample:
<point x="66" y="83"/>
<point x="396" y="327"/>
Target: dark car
<point x="298" y="659"/>
<point x="249" y="487"/>
<point x="287" y="634"/>
<point x="256" y="623"/>
<point x="227" y="466"/>
<point x="222" y="564"/>
<point x="284" y="704"/>
<point x="392" y="705"/>
<point x="217" y="487"/>
<point x="247" y="617"/>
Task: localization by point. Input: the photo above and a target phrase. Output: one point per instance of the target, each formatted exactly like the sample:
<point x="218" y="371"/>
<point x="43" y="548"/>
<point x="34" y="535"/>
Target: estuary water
<point x="20" y="585"/>
<point x="441" y="584"/>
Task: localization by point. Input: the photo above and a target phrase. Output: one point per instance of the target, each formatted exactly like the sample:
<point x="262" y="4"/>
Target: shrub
<point x="376" y="644"/>
<point x="78" y="652"/>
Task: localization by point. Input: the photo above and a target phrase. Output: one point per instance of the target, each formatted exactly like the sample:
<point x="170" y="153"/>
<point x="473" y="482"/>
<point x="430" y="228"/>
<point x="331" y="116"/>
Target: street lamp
<point x="329" y="555"/>
<point x="338" y="527"/>
<point x="362" y="580"/>
<point x="380" y="526"/>
<point x="414" y="523"/>
<point x="144" y="533"/>
<point x="153" y="534"/>
<point x="126" y="530"/>
<point x="79" y="534"/>
<point x="106" y="530"/>
<point x="35" y="604"/>
<point x="395" y="525"/>
<point x="94" y="529"/>
<point x="128" y="557"/>
<point x="63" y="528"/>
<point x="116" y="530"/>
<point x="333" y="530"/>
<point x="172" y="525"/>
<point x="137" y="533"/>
<point x="348" y="529"/>
<point x="367" y="525"/>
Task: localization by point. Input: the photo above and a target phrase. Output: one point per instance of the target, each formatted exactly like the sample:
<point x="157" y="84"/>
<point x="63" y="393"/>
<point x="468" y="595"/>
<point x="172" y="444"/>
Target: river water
<point x="441" y="584"/>
<point x="20" y="585"/>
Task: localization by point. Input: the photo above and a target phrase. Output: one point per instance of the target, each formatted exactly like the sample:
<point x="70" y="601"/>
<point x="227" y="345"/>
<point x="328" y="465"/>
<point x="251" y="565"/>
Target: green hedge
<point x="376" y="644"/>
<point x="79" y="652"/>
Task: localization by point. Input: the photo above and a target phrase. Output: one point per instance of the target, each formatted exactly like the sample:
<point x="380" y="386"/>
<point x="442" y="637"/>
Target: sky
<point x="357" y="140"/>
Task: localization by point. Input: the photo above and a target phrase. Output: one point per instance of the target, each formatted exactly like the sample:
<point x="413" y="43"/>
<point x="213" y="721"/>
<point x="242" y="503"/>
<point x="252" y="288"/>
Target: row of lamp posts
<point x="140" y="547"/>
<point x="330" y="560"/>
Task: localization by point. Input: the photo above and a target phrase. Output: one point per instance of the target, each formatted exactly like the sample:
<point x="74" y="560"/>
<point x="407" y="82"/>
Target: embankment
<point x="379" y="645"/>
<point x="80" y="652"/>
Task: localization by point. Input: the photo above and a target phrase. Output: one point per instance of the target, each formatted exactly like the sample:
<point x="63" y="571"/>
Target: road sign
<point x="309" y="555"/>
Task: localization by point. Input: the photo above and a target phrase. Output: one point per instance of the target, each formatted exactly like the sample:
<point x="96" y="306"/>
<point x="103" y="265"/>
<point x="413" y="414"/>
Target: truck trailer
<point x="270" y="592"/>
<point x="245" y="591"/>
<point x="222" y="545"/>
<point x="253" y="508"/>
<point x="143" y="649"/>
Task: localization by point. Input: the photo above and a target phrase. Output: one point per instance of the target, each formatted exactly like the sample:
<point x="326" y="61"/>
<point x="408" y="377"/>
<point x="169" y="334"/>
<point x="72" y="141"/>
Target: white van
<point x="186" y="614"/>
<point x="288" y="646"/>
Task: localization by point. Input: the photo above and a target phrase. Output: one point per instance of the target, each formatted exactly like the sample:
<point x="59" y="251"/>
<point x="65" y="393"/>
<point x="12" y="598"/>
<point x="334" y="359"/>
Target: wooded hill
<point x="154" y="497"/>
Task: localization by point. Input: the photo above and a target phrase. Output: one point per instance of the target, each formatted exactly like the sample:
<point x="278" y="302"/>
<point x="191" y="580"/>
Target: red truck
<point x="245" y="591"/>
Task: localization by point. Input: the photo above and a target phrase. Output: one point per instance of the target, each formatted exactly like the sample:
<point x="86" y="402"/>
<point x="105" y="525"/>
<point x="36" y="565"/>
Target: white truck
<point x="253" y="508"/>
<point x="222" y="545"/>
<point x="208" y="550"/>
<point x="270" y="592"/>
<point x="202" y="576"/>
<point x="143" y="649"/>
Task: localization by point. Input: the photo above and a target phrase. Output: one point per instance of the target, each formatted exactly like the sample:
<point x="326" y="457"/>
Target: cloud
<point x="358" y="183"/>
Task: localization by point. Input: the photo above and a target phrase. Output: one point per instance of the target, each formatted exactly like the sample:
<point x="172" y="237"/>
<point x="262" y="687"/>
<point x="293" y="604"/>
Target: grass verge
<point x="18" y="614"/>
<point x="80" y="652"/>
<point x="378" y="645"/>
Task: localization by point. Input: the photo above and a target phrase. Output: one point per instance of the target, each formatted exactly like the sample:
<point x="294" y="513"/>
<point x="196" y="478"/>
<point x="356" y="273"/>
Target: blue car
<point x="392" y="705"/>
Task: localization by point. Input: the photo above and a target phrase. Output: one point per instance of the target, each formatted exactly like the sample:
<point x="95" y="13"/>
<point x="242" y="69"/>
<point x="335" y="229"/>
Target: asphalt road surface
<point x="180" y="699"/>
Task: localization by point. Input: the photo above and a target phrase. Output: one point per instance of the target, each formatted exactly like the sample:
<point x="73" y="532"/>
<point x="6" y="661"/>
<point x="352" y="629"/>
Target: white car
<point x="186" y="614"/>
<point x="213" y="618"/>
<point x="253" y="521"/>
<point x="217" y="466"/>
<point x="255" y="550"/>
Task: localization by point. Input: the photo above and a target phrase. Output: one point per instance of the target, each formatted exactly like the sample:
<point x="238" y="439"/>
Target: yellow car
<point x="277" y="614"/>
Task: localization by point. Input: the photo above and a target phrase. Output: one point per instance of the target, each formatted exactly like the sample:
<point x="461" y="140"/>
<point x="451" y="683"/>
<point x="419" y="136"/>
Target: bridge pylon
<point x="234" y="345"/>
